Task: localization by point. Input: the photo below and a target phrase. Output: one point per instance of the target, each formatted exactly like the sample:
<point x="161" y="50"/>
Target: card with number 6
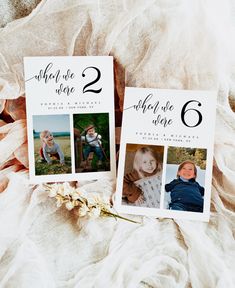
<point x="166" y="153"/>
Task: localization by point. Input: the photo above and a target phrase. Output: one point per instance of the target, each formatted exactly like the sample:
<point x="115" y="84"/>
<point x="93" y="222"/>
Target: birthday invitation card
<point x="166" y="153"/>
<point x="70" y="117"/>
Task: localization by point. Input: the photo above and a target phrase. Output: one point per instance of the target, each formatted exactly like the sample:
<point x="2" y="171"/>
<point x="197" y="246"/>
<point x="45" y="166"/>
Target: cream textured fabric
<point x="176" y="44"/>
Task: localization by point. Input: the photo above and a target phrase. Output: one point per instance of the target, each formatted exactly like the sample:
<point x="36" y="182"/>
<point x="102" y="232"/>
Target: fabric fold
<point x="157" y="44"/>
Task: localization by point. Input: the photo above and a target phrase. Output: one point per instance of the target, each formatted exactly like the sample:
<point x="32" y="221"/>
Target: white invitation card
<point x="166" y="153"/>
<point x="70" y="117"/>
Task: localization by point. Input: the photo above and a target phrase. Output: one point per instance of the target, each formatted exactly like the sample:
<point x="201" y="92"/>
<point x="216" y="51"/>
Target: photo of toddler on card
<point x="50" y="148"/>
<point x="91" y="142"/>
<point x="143" y="175"/>
<point x="52" y="151"/>
<point x="186" y="172"/>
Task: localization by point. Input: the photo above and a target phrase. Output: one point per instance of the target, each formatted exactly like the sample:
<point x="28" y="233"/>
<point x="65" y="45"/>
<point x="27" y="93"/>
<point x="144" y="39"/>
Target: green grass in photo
<point x="55" y="167"/>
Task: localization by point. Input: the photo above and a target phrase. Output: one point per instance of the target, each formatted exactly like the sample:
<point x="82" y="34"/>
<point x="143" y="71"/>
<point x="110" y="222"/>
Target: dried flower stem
<point x="120" y="217"/>
<point x="91" y="204"/>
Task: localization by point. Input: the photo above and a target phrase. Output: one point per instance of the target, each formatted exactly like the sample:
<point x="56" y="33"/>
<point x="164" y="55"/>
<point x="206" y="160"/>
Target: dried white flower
<point x="59" y="202"/>
<point x="64" y="189"/>
<point x="83" y="209"/>
<point x="81" y="192"/>
<point x="94" y="199"/>
<point x="75" y="195"/>
<point x="69" y="205"/>
<point x="92" y="204"/>
<point x="61" y="191"/>
<point x="95" y="212"/>
<point x="53" y="192"/>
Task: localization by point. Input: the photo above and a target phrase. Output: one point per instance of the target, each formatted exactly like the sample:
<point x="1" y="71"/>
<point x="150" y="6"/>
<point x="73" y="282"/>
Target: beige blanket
<point x="176" y="44"/>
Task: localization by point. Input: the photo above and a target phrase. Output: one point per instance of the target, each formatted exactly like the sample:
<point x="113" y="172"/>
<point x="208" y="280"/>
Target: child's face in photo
<point x="91" y="132"/>
<point x="48" y="138"/>
<point x="187" y="171"/>
<point x="148" y="163"/>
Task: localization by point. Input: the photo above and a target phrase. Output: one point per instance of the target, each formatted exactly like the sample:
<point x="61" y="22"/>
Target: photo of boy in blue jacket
<point x="186" y="193"/>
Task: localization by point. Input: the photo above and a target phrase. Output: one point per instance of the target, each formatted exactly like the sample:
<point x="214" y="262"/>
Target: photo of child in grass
<point x="91" y="142"/>
<point x="52" y="145"/>
<point x="185" y="179"/>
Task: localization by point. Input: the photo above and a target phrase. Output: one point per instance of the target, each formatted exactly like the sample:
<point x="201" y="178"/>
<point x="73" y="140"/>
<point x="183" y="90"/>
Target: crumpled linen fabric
<point x="176" y="44"/>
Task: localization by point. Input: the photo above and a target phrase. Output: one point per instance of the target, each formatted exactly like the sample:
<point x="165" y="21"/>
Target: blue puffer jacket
<point x="189" y="193"/>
